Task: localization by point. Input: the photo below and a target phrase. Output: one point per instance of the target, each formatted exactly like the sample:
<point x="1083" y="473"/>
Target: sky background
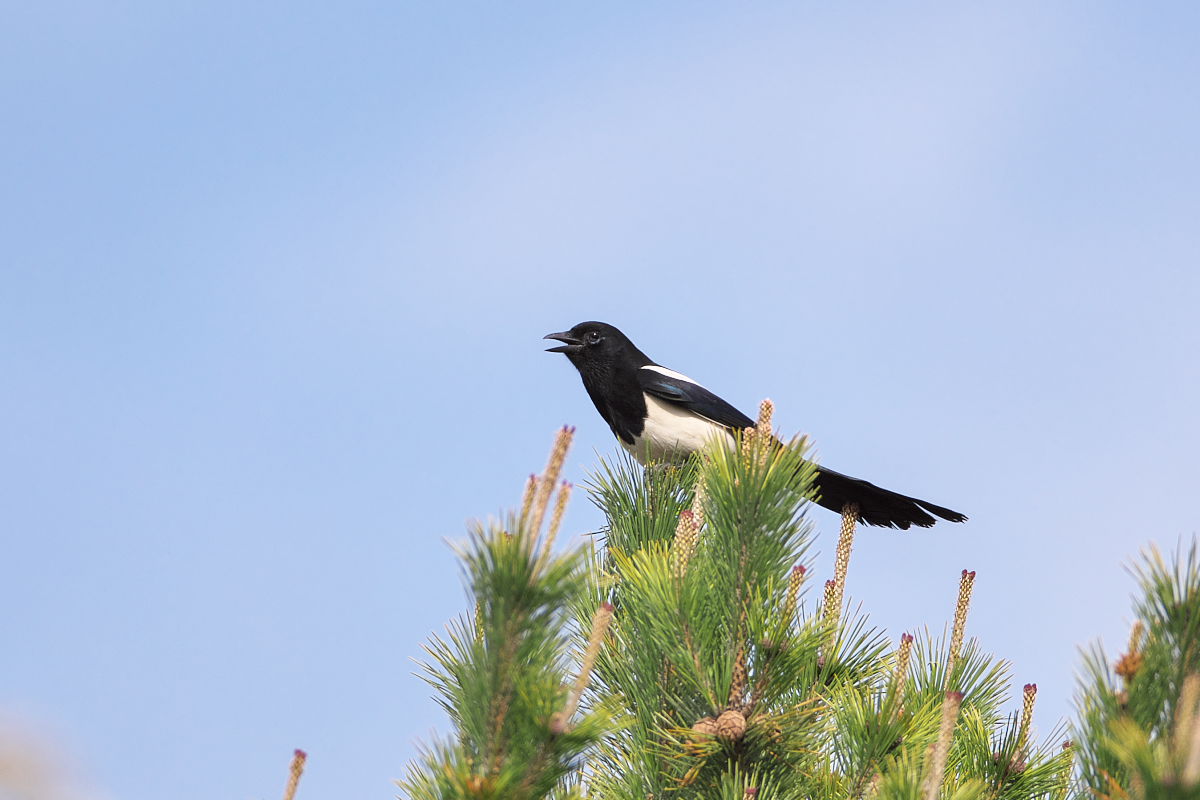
<point x="275" y="276"/>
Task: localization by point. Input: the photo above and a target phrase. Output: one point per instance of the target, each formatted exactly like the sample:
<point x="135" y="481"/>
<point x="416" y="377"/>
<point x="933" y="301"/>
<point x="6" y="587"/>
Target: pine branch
<point x="503" y="675"/>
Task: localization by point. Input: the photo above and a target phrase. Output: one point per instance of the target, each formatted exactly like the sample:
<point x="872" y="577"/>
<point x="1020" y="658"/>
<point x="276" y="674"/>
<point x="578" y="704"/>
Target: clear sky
<point x="275" y="275"/>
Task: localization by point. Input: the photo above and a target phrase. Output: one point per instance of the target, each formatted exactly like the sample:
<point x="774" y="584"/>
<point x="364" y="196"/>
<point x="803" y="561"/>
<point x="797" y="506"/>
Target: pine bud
<point x="1129" y="664"/>
<point x="830" y="594"/>
<point x="903" y="657"/>
<point x="297" y="769"/>
<point x="1029" y="695"/>
<point x="965" y="586"/>
<point x="687" y="536"/>
<point x="845" y="545"/>
<point x="560" y="508"/>
<point x="600" y="621"/>
<point x="765" y="410"/>
<point x="749" y="438"/>
<point x="737" y="687"/>
<point x="545" y="486"/>
<point x="795" y="580"/>
<point x="698" y="498"/>
<point x="936" y="763"/>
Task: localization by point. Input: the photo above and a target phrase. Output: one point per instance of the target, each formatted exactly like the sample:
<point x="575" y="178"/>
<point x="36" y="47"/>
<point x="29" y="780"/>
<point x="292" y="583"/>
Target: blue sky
<point x="275" y="277"/>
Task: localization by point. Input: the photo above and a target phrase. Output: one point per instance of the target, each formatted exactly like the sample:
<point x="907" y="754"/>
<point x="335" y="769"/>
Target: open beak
<point x="569" y="343"/>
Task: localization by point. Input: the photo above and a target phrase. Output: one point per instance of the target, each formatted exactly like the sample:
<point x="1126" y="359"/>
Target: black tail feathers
<point x="877" y="506"/>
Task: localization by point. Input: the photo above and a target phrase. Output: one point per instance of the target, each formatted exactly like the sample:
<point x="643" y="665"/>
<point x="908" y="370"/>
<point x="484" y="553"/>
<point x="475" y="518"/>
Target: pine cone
<point x="706" y="726"/>
<point x="1015" y="766"/>
<point x="731" y="725"/>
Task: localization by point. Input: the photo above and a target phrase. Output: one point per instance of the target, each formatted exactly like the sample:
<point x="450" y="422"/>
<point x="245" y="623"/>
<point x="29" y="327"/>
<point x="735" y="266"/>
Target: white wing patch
<point x="673" y="433"/>
<point x="670" y="373"/>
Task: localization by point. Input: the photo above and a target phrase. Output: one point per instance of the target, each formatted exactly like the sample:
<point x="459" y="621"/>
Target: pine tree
<point x="726" y="683"/>
<point x="684" y="656"/>
<point x="1138" y="734"/>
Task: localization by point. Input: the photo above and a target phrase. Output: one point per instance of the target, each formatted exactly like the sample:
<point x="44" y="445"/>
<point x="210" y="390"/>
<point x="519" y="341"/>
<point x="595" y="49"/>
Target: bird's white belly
<point x="673" y="433"/>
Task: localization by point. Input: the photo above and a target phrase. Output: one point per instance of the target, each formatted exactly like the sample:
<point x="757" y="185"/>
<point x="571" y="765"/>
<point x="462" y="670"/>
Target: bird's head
<point x="590" y="343"/>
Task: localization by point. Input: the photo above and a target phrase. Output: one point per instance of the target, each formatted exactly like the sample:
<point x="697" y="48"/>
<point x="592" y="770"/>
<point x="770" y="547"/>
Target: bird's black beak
<point x="570" y="343"/>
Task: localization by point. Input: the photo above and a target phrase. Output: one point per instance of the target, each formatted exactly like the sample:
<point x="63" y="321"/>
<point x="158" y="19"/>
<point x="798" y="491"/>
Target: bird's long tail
<point x="877" y="506"/>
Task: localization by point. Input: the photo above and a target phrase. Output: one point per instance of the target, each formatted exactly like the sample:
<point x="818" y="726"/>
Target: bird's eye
<point x="593" y="337"/>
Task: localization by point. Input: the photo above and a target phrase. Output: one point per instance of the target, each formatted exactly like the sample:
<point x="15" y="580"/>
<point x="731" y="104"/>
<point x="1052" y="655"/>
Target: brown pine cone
<point x="731" y="725"/>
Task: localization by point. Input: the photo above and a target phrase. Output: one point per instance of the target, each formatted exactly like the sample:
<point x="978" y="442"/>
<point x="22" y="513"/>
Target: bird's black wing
<point x="693" y="397"/>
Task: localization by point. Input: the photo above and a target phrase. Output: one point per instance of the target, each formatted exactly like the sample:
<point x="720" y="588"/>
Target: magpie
<point x="660" y="415"/>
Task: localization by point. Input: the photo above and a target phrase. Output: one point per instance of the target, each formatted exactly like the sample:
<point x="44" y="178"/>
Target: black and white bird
<point x="660" y="415"/>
